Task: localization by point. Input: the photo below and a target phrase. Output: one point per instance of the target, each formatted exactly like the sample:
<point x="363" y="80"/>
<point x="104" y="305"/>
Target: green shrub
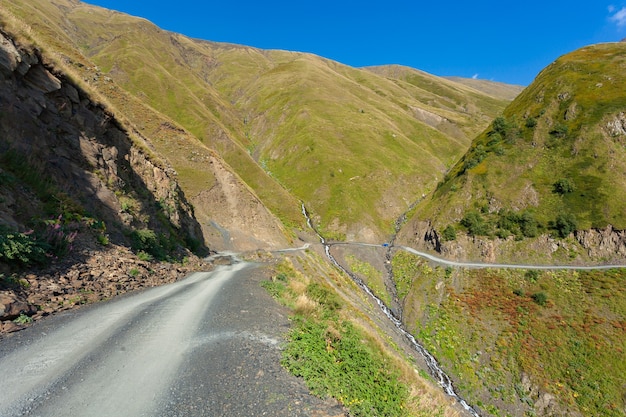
<point x="560" y="131"/>
<point x="23" y="319"/>
<point x="475" y="224"/>
<point x="540" y="298"/>
<point x="563" y="186"/>
<point x="532" y="275"/>
<point x="506" y="128"/>
<point x="144" y="256"/>
<point x="565" y="224"/>
<point x="449" y="233"/>
<point x="528" y="225"/>
<point x="146" y="240"/>
<point x="103" y="240"/>
<point x="475" y="157"/>
<point x="20" y="249"/>
<point x="500" y="125"/>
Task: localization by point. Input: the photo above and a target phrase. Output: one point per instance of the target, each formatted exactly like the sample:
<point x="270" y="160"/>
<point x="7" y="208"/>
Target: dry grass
<point x="298" y="287"/>
<point x="304" y="305"/>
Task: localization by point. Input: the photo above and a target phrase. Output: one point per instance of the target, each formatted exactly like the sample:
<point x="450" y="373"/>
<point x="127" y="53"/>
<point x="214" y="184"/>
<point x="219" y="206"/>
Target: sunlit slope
<point x="460" y="107"/>
<point x="492" y="88"/>
<point x="358" y="148"/>
<point x="355" y="145"/>
<point x="559" y="150"/>
<point x="147" y="62"/>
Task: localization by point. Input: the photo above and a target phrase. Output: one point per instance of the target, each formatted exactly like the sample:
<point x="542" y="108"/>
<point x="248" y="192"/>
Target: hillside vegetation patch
<point x="335" y="357"/>
<point x="511" y="336"/>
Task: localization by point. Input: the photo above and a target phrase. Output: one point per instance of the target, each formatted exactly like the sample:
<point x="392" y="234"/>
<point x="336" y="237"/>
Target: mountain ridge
<point x="352" y="111"/>
<point x="555" y="156"/>
<point x="234" y="142"/>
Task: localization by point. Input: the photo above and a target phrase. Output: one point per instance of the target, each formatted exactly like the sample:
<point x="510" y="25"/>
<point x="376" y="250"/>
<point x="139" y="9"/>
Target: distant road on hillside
<point x="447" y="262"/>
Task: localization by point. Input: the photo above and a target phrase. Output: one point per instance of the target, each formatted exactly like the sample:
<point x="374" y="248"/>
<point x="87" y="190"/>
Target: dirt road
<point x="208" y="345"/>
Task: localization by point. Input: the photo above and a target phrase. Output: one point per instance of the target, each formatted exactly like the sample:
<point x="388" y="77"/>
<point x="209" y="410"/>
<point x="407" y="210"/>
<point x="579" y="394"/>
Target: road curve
<point x="477" y="265"/>
<point x="206" y="345"/>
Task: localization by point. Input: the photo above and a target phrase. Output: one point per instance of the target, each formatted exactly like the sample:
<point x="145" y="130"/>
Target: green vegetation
<point x="334" y="356"/>
<point x="280" y="120"/>
<point x="372" y="277"/>
<point x="540" y="298"/>
<point x="152" y="245"/>
<point x="331" y="357"/>
<point x="20" y="249"/>
<point x="449" y="233"/>
<point x="52" y="239"/>
<point x="563" y="330"/>
<point x="564" y="186"/>
<point x="565" y="224"/>
<point x="551" y="153"/>
<point x="502" y="224"/>
<point x="23" y="319"/>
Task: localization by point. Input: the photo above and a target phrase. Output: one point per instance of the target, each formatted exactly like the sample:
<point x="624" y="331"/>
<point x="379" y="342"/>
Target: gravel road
<point x="208" y="345"/>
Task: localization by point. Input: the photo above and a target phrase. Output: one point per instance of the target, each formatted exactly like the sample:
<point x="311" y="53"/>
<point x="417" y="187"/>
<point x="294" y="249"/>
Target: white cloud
<point x="618" y="16"/>
<point x="611" y="8"/>
<point x="475" y="76"/>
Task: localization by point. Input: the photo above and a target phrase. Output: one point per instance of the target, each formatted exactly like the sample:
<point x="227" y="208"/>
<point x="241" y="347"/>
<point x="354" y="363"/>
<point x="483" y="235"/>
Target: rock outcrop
<point x="603" y="243"/>
<point x="90" y="274"/>
<point x="586" y="246"/>
<point x="60" y="132"/>
<point x="83" y="162"/>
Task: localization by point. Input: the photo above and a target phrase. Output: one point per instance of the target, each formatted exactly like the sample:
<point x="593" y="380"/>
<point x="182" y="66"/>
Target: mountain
<point x="493" y="88"/>
<point x="552" y="166"/>
<point x="543" y="184"/>
<point x="143" y="139"/>
<point x="357" y="146"/>
<point x="63" y="155"/>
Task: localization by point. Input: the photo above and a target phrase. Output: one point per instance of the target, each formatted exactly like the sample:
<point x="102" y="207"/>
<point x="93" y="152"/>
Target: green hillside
<point x="555" y="161"/>
<point x="493" y="88"/>
<point x="357" y="146"/>
<point x="522" y="342"/>
<point x="529" y="342"/>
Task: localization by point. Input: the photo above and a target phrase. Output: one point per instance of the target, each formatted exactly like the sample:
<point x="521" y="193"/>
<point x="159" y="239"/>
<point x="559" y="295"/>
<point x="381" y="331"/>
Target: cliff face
<point x="49" y="125"/>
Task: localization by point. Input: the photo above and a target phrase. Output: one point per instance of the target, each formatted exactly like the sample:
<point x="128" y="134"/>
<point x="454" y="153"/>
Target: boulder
<point x="11" y="307"/>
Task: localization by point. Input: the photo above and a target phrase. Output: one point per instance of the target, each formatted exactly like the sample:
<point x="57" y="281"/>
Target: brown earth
<point x="89" y="274"/>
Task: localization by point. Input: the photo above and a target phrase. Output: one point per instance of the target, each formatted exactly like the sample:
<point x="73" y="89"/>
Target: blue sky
<point x="494" y="40"/>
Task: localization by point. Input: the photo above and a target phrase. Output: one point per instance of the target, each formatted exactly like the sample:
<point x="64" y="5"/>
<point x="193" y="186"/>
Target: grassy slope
<point x="492" y="88"/>
<point x="570" y="104"/>
<point x="345" y="141"/>
<point x="488" y="331"/>
<point x="334" y="341"/>
<point x="468" y="108"/>
<point x="157" y="81"/>
<point x="484" y="325"/>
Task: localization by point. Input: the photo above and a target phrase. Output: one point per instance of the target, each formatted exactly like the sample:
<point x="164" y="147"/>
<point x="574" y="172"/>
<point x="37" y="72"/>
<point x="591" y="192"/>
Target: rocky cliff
<point x="55" y="129"/>
<point x="68" y="165"/>
<point x="581" y="247"/>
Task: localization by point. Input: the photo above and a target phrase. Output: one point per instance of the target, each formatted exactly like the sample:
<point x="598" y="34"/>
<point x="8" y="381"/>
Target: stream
<point x="433" y="366"/>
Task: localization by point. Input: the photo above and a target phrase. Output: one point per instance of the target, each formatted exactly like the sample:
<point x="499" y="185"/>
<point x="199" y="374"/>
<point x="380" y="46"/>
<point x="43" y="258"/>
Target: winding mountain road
<point x="208" y="345"/>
